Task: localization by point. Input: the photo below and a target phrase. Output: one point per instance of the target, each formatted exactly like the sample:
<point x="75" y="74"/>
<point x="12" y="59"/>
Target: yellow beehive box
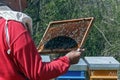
<point x="105" y="68"/>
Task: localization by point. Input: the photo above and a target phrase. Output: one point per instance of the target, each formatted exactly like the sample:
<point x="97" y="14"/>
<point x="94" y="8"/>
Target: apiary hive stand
<point x="66" y="35"/>
<point x="75" y="72"/>
<point x="102" y="68"/>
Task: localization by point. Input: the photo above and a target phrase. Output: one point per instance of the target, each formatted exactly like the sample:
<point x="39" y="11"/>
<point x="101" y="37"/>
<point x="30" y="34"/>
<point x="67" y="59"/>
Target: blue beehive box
<point x="75" y="72"/>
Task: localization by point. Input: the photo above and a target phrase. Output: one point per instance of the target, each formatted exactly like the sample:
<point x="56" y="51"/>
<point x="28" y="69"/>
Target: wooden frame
<point x="76" y="29"/>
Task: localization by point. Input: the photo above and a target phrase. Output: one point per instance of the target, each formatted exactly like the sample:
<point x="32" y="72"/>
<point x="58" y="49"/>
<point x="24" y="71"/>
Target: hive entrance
<point x="65" y="35"/>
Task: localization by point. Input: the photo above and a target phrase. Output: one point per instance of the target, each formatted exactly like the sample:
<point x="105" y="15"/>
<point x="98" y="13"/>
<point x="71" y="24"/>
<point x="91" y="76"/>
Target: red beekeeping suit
<point x="24" y="60"/>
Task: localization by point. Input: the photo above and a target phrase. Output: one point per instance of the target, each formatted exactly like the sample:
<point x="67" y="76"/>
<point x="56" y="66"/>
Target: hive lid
<point x="102" y="63"/>
<point x="64" y="36"/>
<point x="45" y="58"/>
<point x="81" y="65"/>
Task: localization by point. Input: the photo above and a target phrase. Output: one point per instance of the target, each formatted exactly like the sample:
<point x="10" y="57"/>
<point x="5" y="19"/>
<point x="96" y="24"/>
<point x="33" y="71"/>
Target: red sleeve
<point x="29" y="61"/>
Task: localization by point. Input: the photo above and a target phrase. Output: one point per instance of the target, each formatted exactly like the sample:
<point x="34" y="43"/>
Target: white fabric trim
<point x="7" y="33"/>
<point x="7" y="37"/>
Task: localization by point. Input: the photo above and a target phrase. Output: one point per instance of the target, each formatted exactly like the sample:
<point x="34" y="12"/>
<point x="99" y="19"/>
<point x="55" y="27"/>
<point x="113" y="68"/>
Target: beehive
<point x="75" y="72"/>
<point x="102" y="68"/>
<point x="66" y="35"/>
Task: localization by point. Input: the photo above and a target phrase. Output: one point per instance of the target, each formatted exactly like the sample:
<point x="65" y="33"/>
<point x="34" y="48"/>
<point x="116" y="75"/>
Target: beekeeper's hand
<point x="74" y="56"/>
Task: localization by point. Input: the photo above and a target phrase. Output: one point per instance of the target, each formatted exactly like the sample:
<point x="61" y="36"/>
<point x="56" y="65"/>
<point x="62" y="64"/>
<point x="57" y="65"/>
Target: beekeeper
<point x="19" y="58"/>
